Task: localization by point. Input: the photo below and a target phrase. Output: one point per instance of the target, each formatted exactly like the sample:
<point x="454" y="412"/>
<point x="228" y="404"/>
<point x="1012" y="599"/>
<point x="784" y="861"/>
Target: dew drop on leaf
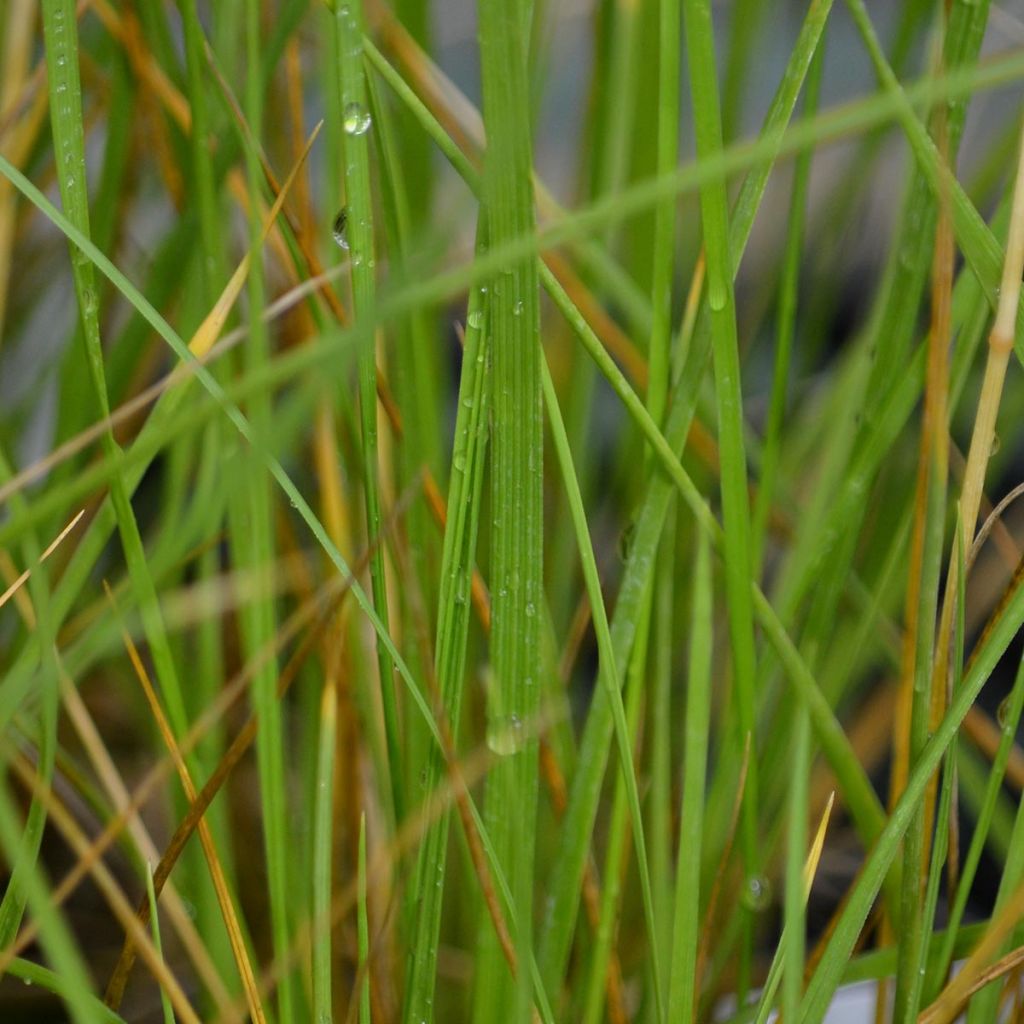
<point x="757" y="893"/>
<point x="355" y="119"/>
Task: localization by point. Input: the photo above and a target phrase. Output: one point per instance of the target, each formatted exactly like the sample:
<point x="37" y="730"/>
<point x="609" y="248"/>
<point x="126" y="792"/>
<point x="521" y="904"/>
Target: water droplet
<point x="505" y="737"/>
<point x="757" y="893"/>
<point x="468" y="403"/>
<point x="517" y="309"/>
<point x="995" y="445"/>
<point x="355" y="119"/>
<point x="1003" y="712"/>
<point x="459" y="462"/>
<point x="716" y="295"/>
<point x="476" y="320"/>
<point x="339" y="229"/>
<point x="530" y="610"/>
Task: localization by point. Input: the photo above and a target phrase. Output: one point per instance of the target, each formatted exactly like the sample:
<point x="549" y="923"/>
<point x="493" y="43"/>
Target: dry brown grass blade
<point x="220" y="885"/>
<point x="209" y="330"/>
<point x="29" y="94"/>
<point x="156" y="138"/>
<point x="202" y="800"/>
<point x="113" y="784"/>
<point x="18" y="40"/>
<point x="54" y="544"/>
<point x="1000" y="344"/>
<point x="301" y="191"/>
<point x="953" y="997"/>
<point x="315" y="613"/>
<point x="9" y="573"/>
<point x="1011" y="962"/>
<point x="994" y="524"/>
<point x="107" y="884"/>
<point x="111" y="780"/>
<point x="932" y="472"/>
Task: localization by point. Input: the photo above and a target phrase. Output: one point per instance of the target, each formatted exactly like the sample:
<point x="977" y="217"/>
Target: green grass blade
<point x="364" y="931"/>
<point x="513" y="323"/>
<point x="323" y="856"/>
<point x="154" y="922"/>
<point x="722" y="305"/>
<point x="359" y="229"/>
<point x="682" y="998"/>
<point x="608" y="672"/>
<point x="460" y="541"/>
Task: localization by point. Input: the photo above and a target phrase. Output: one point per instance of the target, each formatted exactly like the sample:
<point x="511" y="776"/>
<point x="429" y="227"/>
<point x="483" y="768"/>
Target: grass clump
<point x="602" y="607"/>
